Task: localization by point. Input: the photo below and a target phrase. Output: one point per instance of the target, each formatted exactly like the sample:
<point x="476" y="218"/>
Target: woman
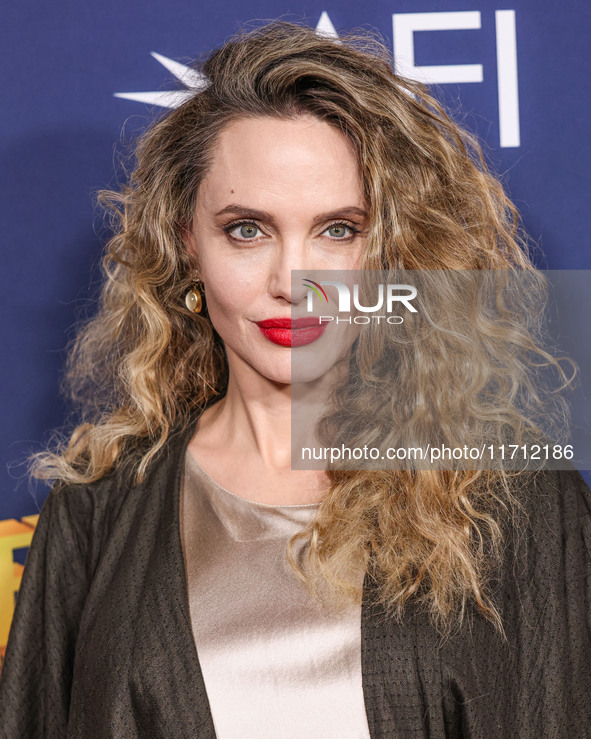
<point x="156" y="600"/>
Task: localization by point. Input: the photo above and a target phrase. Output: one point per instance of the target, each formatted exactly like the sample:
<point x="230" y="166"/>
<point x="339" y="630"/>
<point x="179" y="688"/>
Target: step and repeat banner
<point x="81" y="80"/>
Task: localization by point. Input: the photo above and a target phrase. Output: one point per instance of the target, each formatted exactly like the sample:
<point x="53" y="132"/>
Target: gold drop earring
<point x="193" y="298"/>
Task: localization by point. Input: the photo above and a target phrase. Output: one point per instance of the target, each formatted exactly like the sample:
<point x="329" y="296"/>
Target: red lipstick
<point x="292" y="332"/>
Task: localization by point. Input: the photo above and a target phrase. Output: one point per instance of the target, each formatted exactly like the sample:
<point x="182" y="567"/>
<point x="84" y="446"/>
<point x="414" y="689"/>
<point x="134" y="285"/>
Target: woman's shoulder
<point x="122" y="477"/>
<point x="537" y="674"/>
<point x="548" y="534"/>
<point x="116" y="496"/>
<point x="547" y="570"/>
<point x="557" y="504"/>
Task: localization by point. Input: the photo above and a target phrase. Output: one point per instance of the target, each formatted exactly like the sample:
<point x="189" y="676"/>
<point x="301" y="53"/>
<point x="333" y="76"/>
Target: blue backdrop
<point x="517" y="75"/>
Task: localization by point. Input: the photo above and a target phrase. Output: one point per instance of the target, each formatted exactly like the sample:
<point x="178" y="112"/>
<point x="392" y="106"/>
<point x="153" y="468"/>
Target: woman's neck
<point x="247" y="436"/>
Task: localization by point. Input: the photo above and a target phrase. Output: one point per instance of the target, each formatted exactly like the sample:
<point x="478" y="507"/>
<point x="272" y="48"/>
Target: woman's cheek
<point x="227" y="309"/>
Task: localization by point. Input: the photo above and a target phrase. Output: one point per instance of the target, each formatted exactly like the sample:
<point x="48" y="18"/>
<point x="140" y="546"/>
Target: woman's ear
<point x="188" y="237"/>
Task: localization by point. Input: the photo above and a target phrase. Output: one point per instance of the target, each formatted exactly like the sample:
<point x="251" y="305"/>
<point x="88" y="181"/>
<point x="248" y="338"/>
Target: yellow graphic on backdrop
<point x="13" y="535"/>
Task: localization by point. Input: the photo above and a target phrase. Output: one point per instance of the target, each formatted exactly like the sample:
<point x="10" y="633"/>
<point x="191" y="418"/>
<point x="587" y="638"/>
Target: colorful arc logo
<point x="318" y="289"/>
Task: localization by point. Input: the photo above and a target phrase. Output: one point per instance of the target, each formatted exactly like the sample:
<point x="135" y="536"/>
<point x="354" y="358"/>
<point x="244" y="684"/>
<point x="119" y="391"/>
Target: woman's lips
<point x="292" y="332"/>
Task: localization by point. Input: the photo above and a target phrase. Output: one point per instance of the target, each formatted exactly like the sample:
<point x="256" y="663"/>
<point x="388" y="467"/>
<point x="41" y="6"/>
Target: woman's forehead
<point x="263" y="160"/>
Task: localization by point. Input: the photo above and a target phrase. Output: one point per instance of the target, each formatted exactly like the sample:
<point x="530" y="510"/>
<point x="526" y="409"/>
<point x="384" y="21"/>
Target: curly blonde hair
<point x="144" y="364"/>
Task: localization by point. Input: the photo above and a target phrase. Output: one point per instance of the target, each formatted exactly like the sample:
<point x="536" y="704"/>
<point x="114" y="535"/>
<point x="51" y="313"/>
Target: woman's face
<point x="280" y="195"/>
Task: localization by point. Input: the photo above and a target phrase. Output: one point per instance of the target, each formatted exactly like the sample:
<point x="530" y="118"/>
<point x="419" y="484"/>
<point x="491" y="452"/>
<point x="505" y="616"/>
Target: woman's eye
<point x="340" y="231"/>
<point x="243" y="231"/>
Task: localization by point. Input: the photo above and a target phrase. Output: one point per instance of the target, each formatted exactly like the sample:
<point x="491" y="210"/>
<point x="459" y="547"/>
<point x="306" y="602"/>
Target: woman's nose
<point x="290" y="265"/>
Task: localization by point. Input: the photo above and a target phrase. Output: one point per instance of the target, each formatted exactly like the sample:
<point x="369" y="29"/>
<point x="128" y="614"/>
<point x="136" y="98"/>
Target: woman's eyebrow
<point x="262" y="215"/>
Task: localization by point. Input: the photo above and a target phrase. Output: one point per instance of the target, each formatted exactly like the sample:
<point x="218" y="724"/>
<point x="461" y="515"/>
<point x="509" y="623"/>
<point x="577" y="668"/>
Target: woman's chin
<point x="290" y="375"/>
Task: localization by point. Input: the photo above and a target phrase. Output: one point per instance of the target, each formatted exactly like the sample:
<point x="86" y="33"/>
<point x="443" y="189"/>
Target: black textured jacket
<point x="101" y="642"/>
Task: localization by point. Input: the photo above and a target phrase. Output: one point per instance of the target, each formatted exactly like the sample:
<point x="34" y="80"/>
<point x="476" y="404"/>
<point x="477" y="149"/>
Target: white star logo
<point x="193" y="80"/>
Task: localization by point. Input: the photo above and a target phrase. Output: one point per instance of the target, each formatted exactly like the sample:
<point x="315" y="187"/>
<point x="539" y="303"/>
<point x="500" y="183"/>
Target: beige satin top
<point x="275" y="663"/>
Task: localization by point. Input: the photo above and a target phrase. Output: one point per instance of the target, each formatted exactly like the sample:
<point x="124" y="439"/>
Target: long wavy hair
<point x="143" y="365"/>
